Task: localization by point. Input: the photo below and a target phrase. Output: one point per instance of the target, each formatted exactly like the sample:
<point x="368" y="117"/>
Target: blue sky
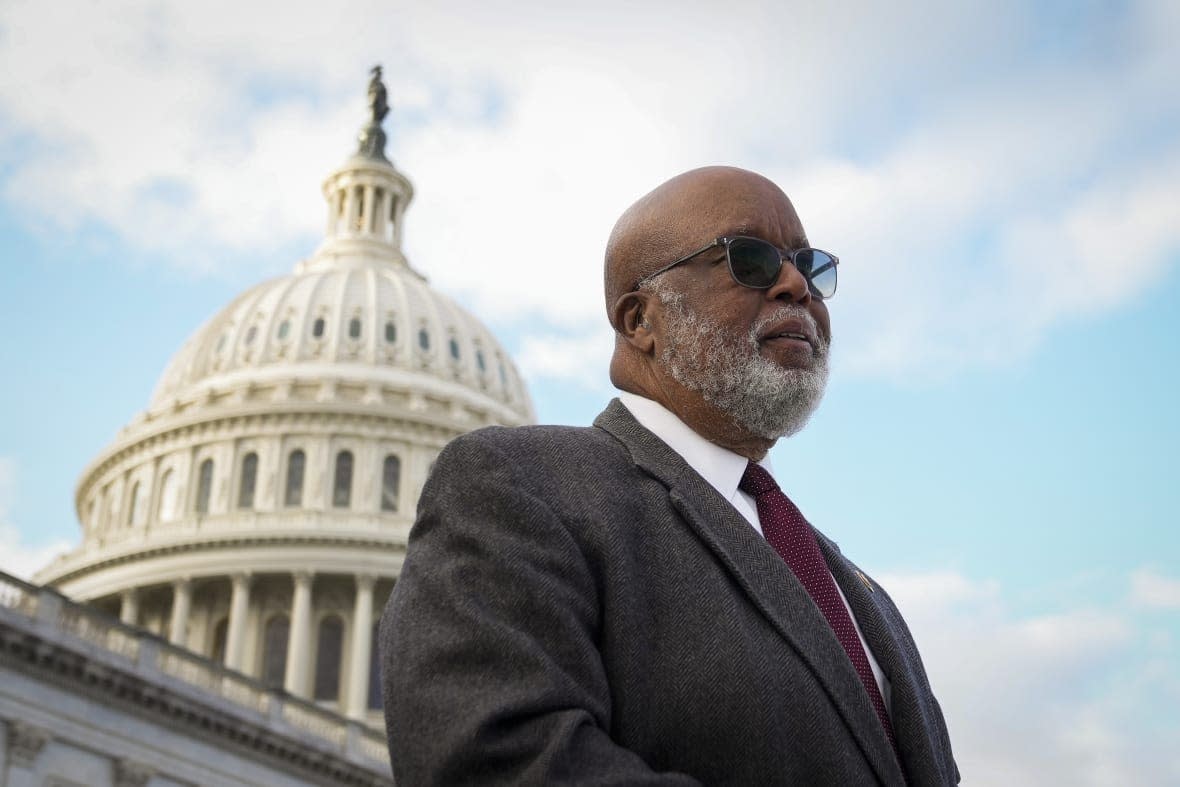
<point x="1001" y="181"/>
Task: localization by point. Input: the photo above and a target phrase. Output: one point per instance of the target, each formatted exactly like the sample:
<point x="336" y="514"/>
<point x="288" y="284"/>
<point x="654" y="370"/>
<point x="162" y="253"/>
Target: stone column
<point x="24" y="744"/>
<point x="351" y="209"/>
<point x="367" y="214"/>
<point x="299" y="641"/>
<point x="182" y="604"/>
<point x="395" y="216"/>
<point x="239" y="608"/>
<point x="333" y="214"/>
<point x="129" y="773"/>
<point x="129" y="607"/>
<point x="362" y="642"/>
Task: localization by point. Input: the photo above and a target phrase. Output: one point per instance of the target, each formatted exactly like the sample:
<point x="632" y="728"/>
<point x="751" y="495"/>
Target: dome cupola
<point x="356" y="312"/>
<point x="367" y="197"/>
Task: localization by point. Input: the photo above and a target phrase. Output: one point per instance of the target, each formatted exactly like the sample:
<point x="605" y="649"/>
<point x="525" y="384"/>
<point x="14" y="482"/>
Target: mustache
<point x="789" y="311"/>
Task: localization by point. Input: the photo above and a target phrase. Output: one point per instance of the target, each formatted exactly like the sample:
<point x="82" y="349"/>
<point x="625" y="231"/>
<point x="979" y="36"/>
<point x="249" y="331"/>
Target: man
<point x="601" y="606"/>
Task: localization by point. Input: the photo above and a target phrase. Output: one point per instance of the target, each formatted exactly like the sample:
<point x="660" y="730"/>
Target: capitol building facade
<point x="251" y="522"/>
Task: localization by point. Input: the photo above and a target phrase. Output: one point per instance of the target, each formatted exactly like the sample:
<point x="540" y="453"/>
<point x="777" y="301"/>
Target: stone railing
<point x="56" y="618"/>
<point x="18" y="595"/>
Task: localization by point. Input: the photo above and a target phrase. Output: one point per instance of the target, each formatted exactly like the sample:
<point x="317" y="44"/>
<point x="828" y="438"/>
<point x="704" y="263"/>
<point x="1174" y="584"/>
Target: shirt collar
<point x="720" y="467"/>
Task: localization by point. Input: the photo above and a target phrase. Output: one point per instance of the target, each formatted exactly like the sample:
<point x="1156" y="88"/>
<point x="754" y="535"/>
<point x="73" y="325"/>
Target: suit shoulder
<point x="522" y="443"/>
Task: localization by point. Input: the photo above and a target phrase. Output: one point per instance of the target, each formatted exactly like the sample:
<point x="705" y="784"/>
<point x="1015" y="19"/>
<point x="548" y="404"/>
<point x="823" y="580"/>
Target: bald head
<point x="678" y="216"/>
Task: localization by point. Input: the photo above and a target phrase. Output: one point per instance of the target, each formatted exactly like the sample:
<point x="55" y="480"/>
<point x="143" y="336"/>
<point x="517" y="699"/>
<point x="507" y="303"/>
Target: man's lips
<point x="793" y="329"/>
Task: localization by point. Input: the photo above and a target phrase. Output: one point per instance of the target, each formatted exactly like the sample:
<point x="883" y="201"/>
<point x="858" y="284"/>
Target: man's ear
<point x="630" y="318"/>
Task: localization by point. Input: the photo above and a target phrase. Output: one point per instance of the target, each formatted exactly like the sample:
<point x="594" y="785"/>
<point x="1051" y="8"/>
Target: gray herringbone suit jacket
<point x="578" y="606"/>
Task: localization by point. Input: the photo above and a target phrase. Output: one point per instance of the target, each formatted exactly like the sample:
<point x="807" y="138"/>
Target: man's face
<point x="726" y="366"/>
<point x="758" y="356"/>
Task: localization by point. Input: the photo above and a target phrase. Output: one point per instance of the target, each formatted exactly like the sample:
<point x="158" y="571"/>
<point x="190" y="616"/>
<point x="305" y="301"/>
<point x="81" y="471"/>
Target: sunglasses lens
<point x="753" y="262"/>
<point x="819" y="268"/>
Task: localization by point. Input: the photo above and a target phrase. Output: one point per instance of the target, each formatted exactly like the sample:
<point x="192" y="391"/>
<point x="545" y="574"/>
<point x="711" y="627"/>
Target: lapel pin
<point x="860" y="575"/>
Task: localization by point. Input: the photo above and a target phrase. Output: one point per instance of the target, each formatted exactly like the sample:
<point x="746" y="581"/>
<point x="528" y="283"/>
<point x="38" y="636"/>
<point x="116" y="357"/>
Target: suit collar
<point x="719" y="466"/>
<point x="765" y="578"/>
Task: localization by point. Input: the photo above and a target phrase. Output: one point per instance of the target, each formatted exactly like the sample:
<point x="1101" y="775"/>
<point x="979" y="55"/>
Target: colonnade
<point x="365" y="209"/>
<point x="301" y="641"/>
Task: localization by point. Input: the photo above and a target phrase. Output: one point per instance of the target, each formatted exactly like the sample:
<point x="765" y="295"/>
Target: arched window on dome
<point x="217" y="644"/>
<point x="390" y="332"/>
<point x="342" y="482"/>
<point x="204" y="486"/>
<point x="375" y="669"/>
<point x="391" y="476"/>
<point x="284" y="329"/>
<point x="329" y="648"/>
<point x="317" y="328"/>
<point x="480" y="361"/>
<point x="454" y="348"/>
<point x="295" y="464"/>
<point x="135" y="506"/>
<point x="354" y="328"/>
<point x="274" y="650"/>
<point x="248" y="480"/>
<point x="424" y="339"/>
<point x="169" y="496"/>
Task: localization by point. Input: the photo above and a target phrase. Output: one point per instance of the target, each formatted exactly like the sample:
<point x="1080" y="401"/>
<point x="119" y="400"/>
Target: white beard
<point x="727" y="369"/>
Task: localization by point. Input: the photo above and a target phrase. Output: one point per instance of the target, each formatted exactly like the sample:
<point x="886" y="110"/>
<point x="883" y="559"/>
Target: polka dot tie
<point x="792" y="537"/>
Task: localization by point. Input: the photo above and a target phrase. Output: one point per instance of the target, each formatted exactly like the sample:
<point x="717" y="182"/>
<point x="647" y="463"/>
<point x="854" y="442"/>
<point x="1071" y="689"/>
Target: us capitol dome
<point x="257" y="511"/>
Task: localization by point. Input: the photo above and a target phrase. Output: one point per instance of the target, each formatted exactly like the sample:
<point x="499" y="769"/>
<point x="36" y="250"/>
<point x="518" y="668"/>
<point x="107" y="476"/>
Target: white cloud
<point x="22" y="559"/>
<point x="16" y="557"/>
<point x="968" y="247"/>
<point x="1086" y="696"/>
<point x="1152" y="589"/>
<point x="580" y="359"/>
<point x="971" y="178"/>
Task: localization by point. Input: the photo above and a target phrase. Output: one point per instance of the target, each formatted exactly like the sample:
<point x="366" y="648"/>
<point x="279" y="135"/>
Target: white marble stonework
<point x="88" y="700"/>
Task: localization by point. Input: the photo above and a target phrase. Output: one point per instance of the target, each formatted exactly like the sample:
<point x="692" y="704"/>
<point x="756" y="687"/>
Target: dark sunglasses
<point x="756" y="263"/>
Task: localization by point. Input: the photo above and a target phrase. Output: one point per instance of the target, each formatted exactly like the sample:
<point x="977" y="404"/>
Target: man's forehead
<point x="773" y="220"/>
<point x="690" y="210"/>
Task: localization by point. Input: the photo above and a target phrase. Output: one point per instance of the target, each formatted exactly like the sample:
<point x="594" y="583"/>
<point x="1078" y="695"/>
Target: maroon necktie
<point x="792" y="537"/>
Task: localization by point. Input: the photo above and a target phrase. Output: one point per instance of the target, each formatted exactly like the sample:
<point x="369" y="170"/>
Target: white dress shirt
<point x="723" y="470"/>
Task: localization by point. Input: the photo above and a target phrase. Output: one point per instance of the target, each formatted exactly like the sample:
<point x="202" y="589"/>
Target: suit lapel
<point x="885" y="633"/>
<point x="768" y="582"/>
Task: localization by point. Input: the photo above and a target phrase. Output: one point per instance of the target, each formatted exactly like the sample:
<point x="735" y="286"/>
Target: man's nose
<point x="791" y="285"/>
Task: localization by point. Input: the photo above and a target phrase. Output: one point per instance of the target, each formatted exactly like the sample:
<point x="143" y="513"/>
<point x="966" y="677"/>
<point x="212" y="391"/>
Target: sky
<point x="1001" y="180"/>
